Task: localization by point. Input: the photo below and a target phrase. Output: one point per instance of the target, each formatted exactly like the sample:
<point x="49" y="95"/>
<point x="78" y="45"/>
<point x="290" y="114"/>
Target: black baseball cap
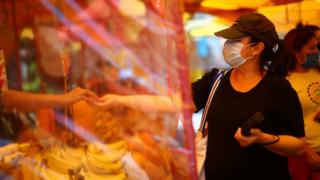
<point x="252" y="24"/>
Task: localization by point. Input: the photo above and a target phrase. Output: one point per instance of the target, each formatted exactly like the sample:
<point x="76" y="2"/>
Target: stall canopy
<point x="284" y="13"/>
<point x="288" y="16"/>
<point x="230" y="9"/>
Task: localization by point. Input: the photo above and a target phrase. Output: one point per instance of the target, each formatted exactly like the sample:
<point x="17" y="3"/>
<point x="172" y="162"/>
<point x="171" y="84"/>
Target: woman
<point x="255" y="83"/>
<point x="305" y="79"/>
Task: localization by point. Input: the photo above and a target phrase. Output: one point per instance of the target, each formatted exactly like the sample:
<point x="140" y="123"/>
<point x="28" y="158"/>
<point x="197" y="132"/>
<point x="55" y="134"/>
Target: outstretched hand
<point x="109" y="100"/>
<point x="78" y="94"/>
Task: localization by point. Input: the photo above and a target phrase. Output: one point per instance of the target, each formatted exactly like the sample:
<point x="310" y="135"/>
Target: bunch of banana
<point x="120" y="176"/>
<point x="70" y="154"/>
<point x="11" y="155"/>
<point x="73" y="153"/>
<point x="105" y="160"/>
<point x="108" y="157"/>
<point x="47" y="173"/>
<point x="30" y="168"/>
<point x="61" y="164"/>
<point x="13" y="147"/>
<point x="97" y="147"/>
<point x="13" y="158"/>
<point x="101" y="167"/>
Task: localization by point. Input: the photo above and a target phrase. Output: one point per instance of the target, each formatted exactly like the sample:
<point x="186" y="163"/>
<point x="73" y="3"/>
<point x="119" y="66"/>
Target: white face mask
<point x="232" y="55"/>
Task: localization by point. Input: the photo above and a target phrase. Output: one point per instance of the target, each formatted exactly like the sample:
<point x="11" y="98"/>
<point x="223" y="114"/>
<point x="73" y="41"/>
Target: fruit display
<point x="119" y="123"/>
<point x="10" y="156"/>
<point x="92" y="161"/>
<point x="115" y="144"/>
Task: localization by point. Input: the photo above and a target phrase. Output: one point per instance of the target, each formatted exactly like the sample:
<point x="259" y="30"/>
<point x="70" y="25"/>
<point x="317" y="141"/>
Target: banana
<point x="9" y="149"/>
<point x="108" y="157"/>
<point x="103" y="167"/>
<point x="74" y="152"/>
<point x="52" y="175"/>
<point x="24" y="147"/>
<point x="13" y="158"/>
<point x="92" y="176"/>
<point x="30" y="169"/>
<point x="69" y="154"/>
<point x="61" y="165"/>
<point x="92" y="148"/>
<point x="97" y="147"/>
<point x="117" y="145"/>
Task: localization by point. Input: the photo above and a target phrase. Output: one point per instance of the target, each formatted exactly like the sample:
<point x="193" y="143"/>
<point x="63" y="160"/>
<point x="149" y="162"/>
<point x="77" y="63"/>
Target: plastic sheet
<point x="121" y="47"/>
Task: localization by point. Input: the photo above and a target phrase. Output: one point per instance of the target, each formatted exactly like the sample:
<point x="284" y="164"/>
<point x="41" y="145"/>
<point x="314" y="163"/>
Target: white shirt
<point x="307" y="86"/>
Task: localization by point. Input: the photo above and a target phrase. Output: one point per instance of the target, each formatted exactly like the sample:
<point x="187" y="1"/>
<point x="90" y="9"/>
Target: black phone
<point x="254" y="121"/>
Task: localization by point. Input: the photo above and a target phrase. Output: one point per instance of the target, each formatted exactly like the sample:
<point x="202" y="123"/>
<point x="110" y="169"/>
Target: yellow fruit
<point x="108" y="157"/>
<point x="90" y="175"/>
<point x="24" y="147"/>
<point x="52" y="175"/>
<point x="9" y="149"/>
<point x="103" y="167"/>
<point x="60" y="164"/>
<point x="99" y="147"/>
<point x="117" y="145"/>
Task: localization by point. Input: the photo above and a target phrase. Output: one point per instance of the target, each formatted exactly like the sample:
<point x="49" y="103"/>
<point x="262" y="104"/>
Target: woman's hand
<point x="109" y="100"/>
<point x="245" y="141"/>
<point x="146" y="103"/>
<point x="284" y="145"/>
<point x="78" y="94"/>
<point x="256" y="137"/>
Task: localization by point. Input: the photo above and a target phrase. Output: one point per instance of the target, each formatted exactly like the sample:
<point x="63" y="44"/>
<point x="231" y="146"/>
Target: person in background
<point x="316" y="30"/>
<point x="256" y="83"/>
<point x="305" y="79"/>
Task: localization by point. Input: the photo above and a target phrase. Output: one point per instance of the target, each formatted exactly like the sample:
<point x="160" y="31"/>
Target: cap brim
<point x="230" y="33"/>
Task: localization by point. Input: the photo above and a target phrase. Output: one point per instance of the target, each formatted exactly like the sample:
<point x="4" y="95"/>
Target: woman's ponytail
<point x="278" y="59"/>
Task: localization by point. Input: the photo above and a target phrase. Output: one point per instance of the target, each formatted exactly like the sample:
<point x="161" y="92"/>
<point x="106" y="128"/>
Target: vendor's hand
<point x="80" y="94"/>
<point x="109" y="100"/>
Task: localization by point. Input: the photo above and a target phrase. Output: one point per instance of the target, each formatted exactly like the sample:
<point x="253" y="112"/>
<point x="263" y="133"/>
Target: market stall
<point x="108" y="48"/>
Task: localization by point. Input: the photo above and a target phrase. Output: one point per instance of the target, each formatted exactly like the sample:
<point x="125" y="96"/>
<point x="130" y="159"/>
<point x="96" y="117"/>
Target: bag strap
<point x="215" y="85"/>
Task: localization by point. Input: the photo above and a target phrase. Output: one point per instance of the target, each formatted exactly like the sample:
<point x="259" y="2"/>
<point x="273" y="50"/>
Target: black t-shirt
<point x="229" y="109"/>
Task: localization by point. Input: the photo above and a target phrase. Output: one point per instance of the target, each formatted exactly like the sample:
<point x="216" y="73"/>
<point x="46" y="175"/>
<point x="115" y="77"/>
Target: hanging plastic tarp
<point x="120" y="47"/>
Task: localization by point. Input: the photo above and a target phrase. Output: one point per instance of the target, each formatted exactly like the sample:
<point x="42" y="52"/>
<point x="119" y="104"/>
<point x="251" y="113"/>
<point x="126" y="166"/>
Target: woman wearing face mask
<point x="255" y="83"/>
<point x="305" y="79"/>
